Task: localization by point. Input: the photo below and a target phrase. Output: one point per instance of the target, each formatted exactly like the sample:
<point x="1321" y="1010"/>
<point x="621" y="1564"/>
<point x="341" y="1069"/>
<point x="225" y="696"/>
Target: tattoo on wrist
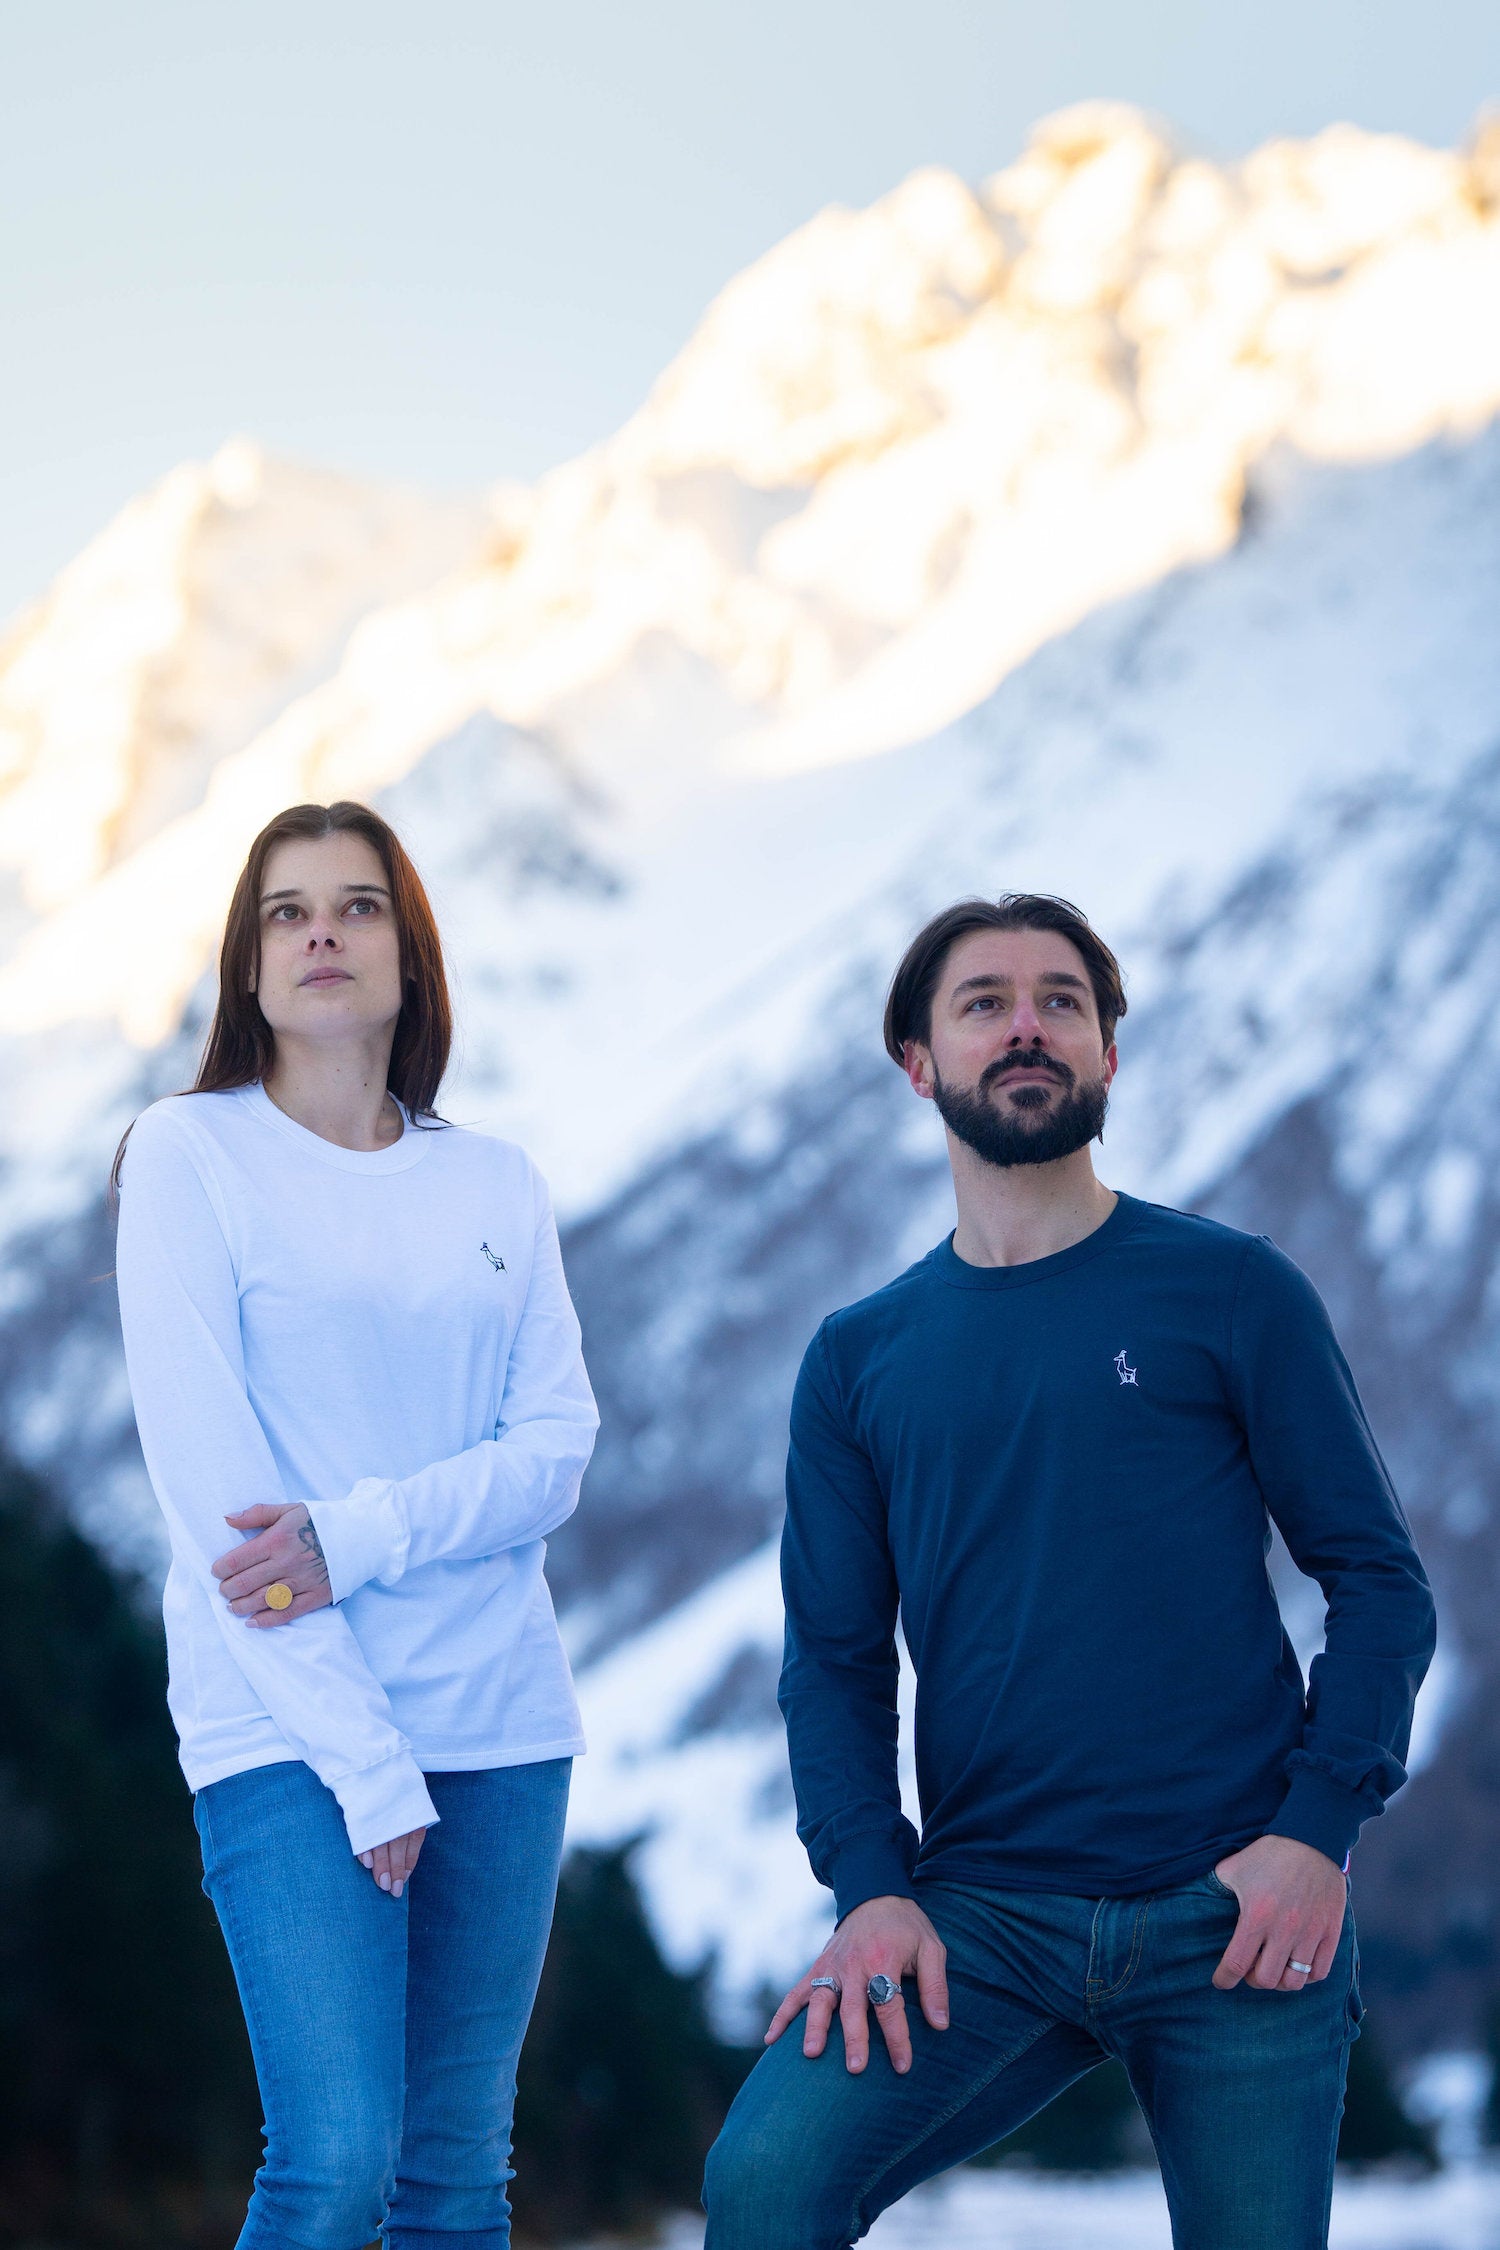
<point x="312" y="1547"/>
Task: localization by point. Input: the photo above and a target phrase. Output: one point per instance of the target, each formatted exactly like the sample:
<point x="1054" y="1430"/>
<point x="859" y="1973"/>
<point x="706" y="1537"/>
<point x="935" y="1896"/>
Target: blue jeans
<point x="1242" y="2090"/>
<point x="385" y="2031"/>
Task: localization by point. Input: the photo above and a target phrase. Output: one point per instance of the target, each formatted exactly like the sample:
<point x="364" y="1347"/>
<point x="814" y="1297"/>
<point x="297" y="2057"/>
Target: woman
<point x="350" y="1343"/>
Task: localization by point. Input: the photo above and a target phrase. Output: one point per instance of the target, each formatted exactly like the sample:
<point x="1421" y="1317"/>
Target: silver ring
<point x="1303" y="1968"/>
<point x="880" y="1991"/>
<point x="827" y="1984"/>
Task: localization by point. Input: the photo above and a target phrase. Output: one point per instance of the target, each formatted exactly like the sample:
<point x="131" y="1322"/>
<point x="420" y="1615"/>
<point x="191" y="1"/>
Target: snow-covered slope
<point x="902" y="451"/>
<point x="203" y="609"/>
<point x="1309" y="919"/>
<point x="1127" y="526"/>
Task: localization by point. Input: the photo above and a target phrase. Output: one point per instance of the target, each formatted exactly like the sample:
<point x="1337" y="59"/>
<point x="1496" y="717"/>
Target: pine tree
<point x="127" y="2100"/>
<point x="1491" y="2122"/>
<point x="1375" y="2126"/>
<point x="624" y="2083"/>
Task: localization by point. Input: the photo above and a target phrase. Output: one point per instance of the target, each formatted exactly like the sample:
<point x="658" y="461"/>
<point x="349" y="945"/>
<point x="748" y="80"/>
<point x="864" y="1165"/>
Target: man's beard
<point x="1008" y="1135"/>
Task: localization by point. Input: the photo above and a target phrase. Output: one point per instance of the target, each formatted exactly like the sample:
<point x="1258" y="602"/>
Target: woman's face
<point x="330" y="952"/>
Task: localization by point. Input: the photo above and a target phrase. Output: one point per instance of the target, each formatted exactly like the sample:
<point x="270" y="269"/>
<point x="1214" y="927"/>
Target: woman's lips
<point x="327" y="976"/>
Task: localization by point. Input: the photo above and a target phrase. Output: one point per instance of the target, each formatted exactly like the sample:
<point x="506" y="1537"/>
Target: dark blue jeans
<point x="1242" y="2090"/>
<point x="385" y="2031"/>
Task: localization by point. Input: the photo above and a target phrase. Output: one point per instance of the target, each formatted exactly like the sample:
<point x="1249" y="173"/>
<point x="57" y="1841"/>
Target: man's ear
<point x="916" y="1061"/>
<point x="1111" y="1063"/>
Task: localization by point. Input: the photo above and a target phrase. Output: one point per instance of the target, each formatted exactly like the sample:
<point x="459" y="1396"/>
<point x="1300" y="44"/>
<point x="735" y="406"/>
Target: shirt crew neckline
<point x="399" y="1157"/>
<point x="959" y="1274"/>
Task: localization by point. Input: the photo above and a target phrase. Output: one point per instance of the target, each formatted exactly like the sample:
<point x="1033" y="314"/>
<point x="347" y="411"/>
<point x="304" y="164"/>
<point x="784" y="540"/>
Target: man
<point x="1054" y="1445"/>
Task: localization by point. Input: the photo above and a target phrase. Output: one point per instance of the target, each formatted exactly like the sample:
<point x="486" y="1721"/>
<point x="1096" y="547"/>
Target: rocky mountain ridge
<point x="1126" y="526"/>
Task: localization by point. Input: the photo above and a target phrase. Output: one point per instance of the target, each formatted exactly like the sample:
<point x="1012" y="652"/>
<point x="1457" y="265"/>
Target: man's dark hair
<point x="908" y="1007"/>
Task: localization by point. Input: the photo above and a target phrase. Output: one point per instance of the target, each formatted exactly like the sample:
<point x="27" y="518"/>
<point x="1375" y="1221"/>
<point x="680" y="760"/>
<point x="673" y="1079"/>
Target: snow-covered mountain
<point x="1129" y="526"/>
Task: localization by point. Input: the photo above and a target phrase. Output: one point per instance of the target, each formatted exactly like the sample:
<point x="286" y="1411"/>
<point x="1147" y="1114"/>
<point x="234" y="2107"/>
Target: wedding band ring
<point x="279" y="1594"/>
<point x="1303" y="1968"/>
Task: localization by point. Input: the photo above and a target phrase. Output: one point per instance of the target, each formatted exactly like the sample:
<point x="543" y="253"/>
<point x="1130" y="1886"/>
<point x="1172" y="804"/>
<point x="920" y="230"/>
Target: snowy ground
<point x="1459" y="2210"/>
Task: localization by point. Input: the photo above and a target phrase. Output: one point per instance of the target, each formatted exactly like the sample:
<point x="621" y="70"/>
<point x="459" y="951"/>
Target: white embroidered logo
<point x="1126" y="1374"/>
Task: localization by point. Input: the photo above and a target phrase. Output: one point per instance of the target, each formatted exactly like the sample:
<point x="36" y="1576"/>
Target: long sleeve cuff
<point x="1320" y="1811"/>
<point x="363" y="1535"/>
<point x="385" y="1800"/>
<point x="872" y="1866"/>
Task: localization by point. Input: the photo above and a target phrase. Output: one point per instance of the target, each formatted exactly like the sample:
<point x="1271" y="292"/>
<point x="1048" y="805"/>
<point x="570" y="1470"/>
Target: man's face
<point x="1015" y="1059"/>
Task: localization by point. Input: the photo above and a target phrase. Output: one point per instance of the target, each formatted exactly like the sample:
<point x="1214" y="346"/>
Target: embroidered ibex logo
<point x="1126" y="1374"/>
<point x="499" y="1263"/>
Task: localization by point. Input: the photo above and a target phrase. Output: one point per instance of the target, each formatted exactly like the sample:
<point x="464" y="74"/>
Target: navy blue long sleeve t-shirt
<point x="1060" y="1474"/>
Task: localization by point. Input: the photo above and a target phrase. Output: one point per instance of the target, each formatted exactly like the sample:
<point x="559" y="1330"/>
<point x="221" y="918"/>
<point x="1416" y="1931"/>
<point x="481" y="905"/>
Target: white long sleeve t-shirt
<point x="387" y="1337"/>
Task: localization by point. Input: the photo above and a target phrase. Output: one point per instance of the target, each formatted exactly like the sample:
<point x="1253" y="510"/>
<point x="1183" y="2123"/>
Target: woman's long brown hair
<point x="241" y="1044"/>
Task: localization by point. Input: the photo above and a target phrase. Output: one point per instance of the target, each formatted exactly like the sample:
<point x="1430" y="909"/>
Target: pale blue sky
<point x="458" y="242"/>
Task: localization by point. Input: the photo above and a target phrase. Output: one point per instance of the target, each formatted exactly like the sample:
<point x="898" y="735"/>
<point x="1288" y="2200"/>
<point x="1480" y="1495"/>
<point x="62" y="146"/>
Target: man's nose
<point x="1025" y="1026"/>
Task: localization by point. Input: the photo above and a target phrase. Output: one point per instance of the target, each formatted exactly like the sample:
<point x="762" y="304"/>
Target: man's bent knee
<point x="764" y="2190"/>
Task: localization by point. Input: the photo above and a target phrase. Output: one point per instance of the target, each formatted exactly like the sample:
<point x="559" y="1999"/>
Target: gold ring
<point x="279" y="1595"/>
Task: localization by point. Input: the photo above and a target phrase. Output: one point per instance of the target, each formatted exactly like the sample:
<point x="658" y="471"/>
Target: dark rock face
<point x="695" y="1329"/>
<point x="1426" y="1885"/>
<point x="699" y="1290"/>
<point x="700" y="1287"/>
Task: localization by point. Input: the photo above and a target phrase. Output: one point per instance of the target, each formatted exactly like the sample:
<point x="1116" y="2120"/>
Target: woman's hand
<point x="289" y="1553"/>
<point x="391" y="1864"/>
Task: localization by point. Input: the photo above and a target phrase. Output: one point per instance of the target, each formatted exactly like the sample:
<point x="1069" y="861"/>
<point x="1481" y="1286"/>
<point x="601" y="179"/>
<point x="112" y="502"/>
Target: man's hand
<point x="391" y="1864"/>
<point x="885" y="1937"/>
<point x="1292" y="1903"/>
<point x="289" y="1551"/>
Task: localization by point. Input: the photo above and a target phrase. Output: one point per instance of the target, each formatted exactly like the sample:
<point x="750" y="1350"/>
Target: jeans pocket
<point x="1355" y="2003"/>
<point x="1219" y="1889"/>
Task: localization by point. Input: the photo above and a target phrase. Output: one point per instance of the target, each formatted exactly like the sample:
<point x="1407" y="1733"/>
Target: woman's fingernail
<point x="397" y="1889"/>
<point x="385" y="1882"/>
<point x="367" y="1859"/>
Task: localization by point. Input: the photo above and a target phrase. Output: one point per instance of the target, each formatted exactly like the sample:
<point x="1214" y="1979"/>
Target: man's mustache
<point x="1025" y="1060"/>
